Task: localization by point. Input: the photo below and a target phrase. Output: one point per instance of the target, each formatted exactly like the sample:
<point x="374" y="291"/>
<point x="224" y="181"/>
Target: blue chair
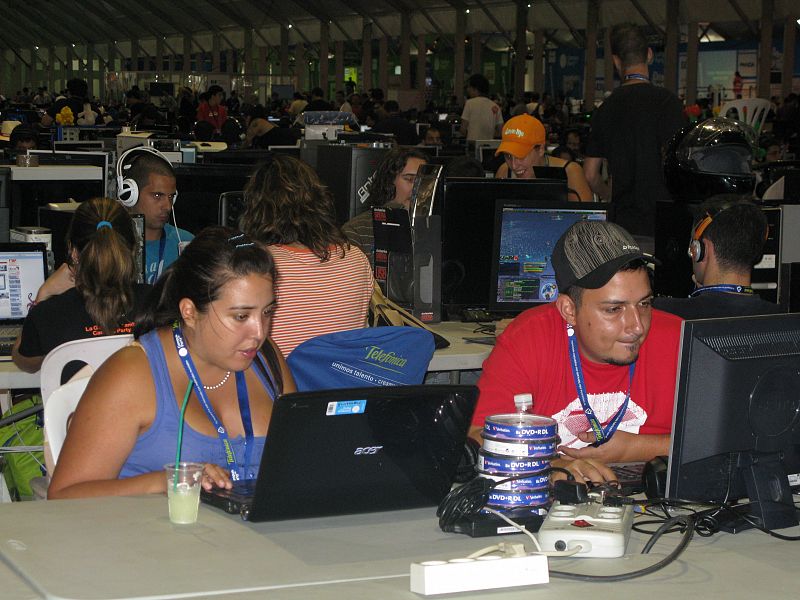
<point x="368" y="357"/>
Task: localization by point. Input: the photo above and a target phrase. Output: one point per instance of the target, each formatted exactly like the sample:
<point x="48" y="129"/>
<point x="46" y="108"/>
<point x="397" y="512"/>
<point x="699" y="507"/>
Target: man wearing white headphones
<point x="146" y="185"/>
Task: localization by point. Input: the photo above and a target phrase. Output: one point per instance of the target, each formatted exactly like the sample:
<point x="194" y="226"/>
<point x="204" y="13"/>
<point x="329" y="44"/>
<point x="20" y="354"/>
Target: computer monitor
<point x="488" y="159"/>
<point x="467" y="204"/>
<point x="199" y="188"/>
<point x="86" y="145"/>
<point x="524" y="237"/>
<point x="736" y="425"/>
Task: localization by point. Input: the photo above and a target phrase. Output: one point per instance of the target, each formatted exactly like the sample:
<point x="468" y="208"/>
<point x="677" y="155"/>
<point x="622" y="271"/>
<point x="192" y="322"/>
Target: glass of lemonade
<point x="183" y="491"/>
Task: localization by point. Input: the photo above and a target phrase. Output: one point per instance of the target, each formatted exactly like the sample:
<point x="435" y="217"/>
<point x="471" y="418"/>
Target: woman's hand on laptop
<point x="216" y="476"/>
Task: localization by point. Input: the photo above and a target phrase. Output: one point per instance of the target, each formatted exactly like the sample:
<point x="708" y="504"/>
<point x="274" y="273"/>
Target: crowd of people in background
<point x="205" y="115"/>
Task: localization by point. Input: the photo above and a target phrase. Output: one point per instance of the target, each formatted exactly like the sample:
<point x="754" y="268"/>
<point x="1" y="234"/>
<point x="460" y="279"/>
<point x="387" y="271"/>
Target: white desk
<point x="11" y="378"/>
<point x="57" y="173"/>
<point x="126" y="548"/>
<point x="460" y="356"/>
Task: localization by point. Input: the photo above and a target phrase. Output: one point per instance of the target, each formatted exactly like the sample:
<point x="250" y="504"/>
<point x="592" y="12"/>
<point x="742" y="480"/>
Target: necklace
<point x="219" y="385"/>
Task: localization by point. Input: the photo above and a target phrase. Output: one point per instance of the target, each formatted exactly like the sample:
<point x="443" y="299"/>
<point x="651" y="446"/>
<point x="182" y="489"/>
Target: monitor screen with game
<point x="467" y="204"/>
<point x="736" y="427"/>
<point x="525" y="235"/>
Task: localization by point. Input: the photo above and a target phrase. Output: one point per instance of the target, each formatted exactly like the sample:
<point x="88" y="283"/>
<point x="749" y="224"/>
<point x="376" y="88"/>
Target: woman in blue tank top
<point x="203" y="341"/>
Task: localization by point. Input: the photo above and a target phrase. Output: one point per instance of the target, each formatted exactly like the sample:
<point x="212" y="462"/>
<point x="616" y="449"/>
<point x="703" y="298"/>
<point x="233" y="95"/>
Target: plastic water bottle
<point x="524" y="403"/>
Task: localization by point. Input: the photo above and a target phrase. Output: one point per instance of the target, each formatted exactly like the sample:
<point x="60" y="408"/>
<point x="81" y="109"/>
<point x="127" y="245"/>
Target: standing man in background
<point x="629" y="131"/>
<point x="482" y="119"/>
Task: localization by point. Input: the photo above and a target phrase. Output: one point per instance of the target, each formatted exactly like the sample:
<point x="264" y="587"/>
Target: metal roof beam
<point x="495" y="22"/>
<point x="640" y="9"/>
<point x="750" y="27"/>
<point x="575" y="33"/>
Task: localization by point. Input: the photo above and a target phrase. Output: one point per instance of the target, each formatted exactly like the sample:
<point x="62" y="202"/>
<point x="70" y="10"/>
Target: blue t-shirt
<point x="158" y="257"/>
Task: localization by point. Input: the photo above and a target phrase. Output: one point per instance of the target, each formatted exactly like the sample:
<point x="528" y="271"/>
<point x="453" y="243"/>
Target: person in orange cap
<point x="523" y="147"/>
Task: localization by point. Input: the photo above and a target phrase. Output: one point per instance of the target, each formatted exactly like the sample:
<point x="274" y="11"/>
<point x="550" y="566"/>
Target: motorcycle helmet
<point x="712" y="157"/>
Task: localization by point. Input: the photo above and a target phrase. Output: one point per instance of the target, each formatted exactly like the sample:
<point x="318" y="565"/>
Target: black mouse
<point x="654" y="477"/>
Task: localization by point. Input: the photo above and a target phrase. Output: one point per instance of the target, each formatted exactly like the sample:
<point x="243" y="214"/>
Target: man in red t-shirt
<point x="601" y="330"/>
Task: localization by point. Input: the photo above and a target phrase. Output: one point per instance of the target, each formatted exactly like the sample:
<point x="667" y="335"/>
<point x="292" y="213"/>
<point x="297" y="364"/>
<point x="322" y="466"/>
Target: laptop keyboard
<point x="629" y="476"/>
<point x="8" y="335"/>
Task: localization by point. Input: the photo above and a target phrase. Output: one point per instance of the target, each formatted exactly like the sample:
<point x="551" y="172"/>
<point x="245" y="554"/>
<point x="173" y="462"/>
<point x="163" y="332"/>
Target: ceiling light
<point x="289" y="26"/>
<point x="467" y="11"/>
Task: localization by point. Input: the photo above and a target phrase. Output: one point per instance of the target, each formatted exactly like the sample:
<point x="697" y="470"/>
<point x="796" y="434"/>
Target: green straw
<point x="180" y="435"/>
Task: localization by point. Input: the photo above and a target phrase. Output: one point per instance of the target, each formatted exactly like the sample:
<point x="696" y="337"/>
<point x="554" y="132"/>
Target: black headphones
<point x="127" y="188"/>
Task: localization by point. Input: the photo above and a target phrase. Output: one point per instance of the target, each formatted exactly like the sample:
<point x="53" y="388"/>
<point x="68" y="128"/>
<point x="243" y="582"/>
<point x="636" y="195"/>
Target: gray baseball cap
<point x="591" y="252"/>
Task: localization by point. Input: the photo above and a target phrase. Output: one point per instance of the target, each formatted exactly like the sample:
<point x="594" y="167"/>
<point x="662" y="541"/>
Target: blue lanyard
<point x="162" y="244"/>
<point x="244" y="407"/>
<point x="636" y="76"/>
<point x="601" y="435"/>
<point x="723" y="287"/>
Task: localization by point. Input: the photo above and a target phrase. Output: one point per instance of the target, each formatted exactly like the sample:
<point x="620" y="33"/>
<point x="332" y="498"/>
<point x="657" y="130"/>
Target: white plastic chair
<point x="92" y="351"/>
<point x="60" y="400"/>
<point x="752" y="111"/>
<point x="60" y="406"/>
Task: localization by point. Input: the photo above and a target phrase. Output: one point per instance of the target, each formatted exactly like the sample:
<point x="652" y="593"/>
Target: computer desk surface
<point x="127" y="548"/>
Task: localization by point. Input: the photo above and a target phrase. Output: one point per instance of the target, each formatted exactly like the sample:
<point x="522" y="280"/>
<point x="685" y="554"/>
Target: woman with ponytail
<point x="94" y="293"/>
<point x="200" y="380"/>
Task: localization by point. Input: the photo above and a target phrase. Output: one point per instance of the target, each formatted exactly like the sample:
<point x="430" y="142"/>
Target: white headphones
<point x="127" y="188"/>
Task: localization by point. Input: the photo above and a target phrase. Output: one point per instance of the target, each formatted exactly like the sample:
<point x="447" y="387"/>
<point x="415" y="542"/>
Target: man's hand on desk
<point x="622" y="447"/>
<point x="584" y="470"/>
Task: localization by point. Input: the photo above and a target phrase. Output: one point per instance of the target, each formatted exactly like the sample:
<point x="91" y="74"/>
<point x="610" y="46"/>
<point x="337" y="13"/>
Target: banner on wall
<point x="747" y="61"/>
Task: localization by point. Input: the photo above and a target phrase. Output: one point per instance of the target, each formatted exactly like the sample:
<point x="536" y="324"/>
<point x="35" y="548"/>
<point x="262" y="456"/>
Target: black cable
<point x="687" y="523"/>
<point x="472" y="496"/>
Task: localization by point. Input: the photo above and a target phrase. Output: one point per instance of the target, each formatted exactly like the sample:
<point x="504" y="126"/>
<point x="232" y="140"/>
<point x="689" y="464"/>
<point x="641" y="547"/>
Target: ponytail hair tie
<point x="102" y="224"/>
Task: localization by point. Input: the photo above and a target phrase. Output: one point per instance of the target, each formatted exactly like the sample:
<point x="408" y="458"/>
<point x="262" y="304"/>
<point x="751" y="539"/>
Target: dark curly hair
<point x="382" y="190"/>
<point x="286" y="203"/>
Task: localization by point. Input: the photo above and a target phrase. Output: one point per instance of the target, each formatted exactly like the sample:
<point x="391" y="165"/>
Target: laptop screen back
<point x="361" y="450"/>
<point x="22" y="272"/>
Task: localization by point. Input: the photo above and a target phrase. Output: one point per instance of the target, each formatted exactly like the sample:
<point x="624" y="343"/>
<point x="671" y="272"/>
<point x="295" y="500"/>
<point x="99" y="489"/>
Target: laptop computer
<point x="23" y="267"/>
<point x="356" y="450"/>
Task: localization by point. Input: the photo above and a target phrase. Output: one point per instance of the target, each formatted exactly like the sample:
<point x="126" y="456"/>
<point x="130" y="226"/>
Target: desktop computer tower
<point x="347" y="171"/>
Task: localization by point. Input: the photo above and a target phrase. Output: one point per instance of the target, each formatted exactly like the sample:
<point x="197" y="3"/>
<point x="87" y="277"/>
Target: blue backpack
<point x="372" y="356"/>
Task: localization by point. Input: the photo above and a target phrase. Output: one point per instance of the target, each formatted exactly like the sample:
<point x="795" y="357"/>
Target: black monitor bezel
<point x="694" y="394"/>
<point x="499" y="207"/>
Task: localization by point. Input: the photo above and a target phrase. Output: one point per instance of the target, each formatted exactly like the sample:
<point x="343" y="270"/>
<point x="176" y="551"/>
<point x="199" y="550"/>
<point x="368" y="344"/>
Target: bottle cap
<point x="523" y="401"/>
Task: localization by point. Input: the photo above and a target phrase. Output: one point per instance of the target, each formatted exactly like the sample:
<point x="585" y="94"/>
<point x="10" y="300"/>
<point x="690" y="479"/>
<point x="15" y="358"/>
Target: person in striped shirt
<point x="324" y="284"/>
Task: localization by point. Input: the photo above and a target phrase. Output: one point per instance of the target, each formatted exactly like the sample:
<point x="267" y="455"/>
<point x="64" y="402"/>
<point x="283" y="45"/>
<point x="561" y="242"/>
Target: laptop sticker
<point x="346" y="407"/>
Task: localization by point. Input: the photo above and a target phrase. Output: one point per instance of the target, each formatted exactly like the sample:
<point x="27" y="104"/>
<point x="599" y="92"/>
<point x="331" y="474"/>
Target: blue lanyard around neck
<point x="162" y="245"/>
<point x="637" y="76"/>
<point x="237" y="472"/>
<point x="602" y="435"/>
<point x="729" y="288"/>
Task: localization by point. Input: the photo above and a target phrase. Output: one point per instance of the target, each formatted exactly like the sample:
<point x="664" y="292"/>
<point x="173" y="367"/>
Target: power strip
<point x="600" y="531"/>
<point x="482" y="573"/>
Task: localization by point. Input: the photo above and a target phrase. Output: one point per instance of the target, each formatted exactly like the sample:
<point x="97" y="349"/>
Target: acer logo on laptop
<point x="367" y="450"/>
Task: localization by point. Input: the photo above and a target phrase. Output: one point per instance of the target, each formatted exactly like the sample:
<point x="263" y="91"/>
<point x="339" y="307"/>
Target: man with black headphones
<point x="146" y="185"/>
<point x="727" y="241"/>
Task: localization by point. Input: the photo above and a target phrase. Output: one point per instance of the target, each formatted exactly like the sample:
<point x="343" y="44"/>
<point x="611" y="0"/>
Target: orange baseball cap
<point x="520" y="134"/>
